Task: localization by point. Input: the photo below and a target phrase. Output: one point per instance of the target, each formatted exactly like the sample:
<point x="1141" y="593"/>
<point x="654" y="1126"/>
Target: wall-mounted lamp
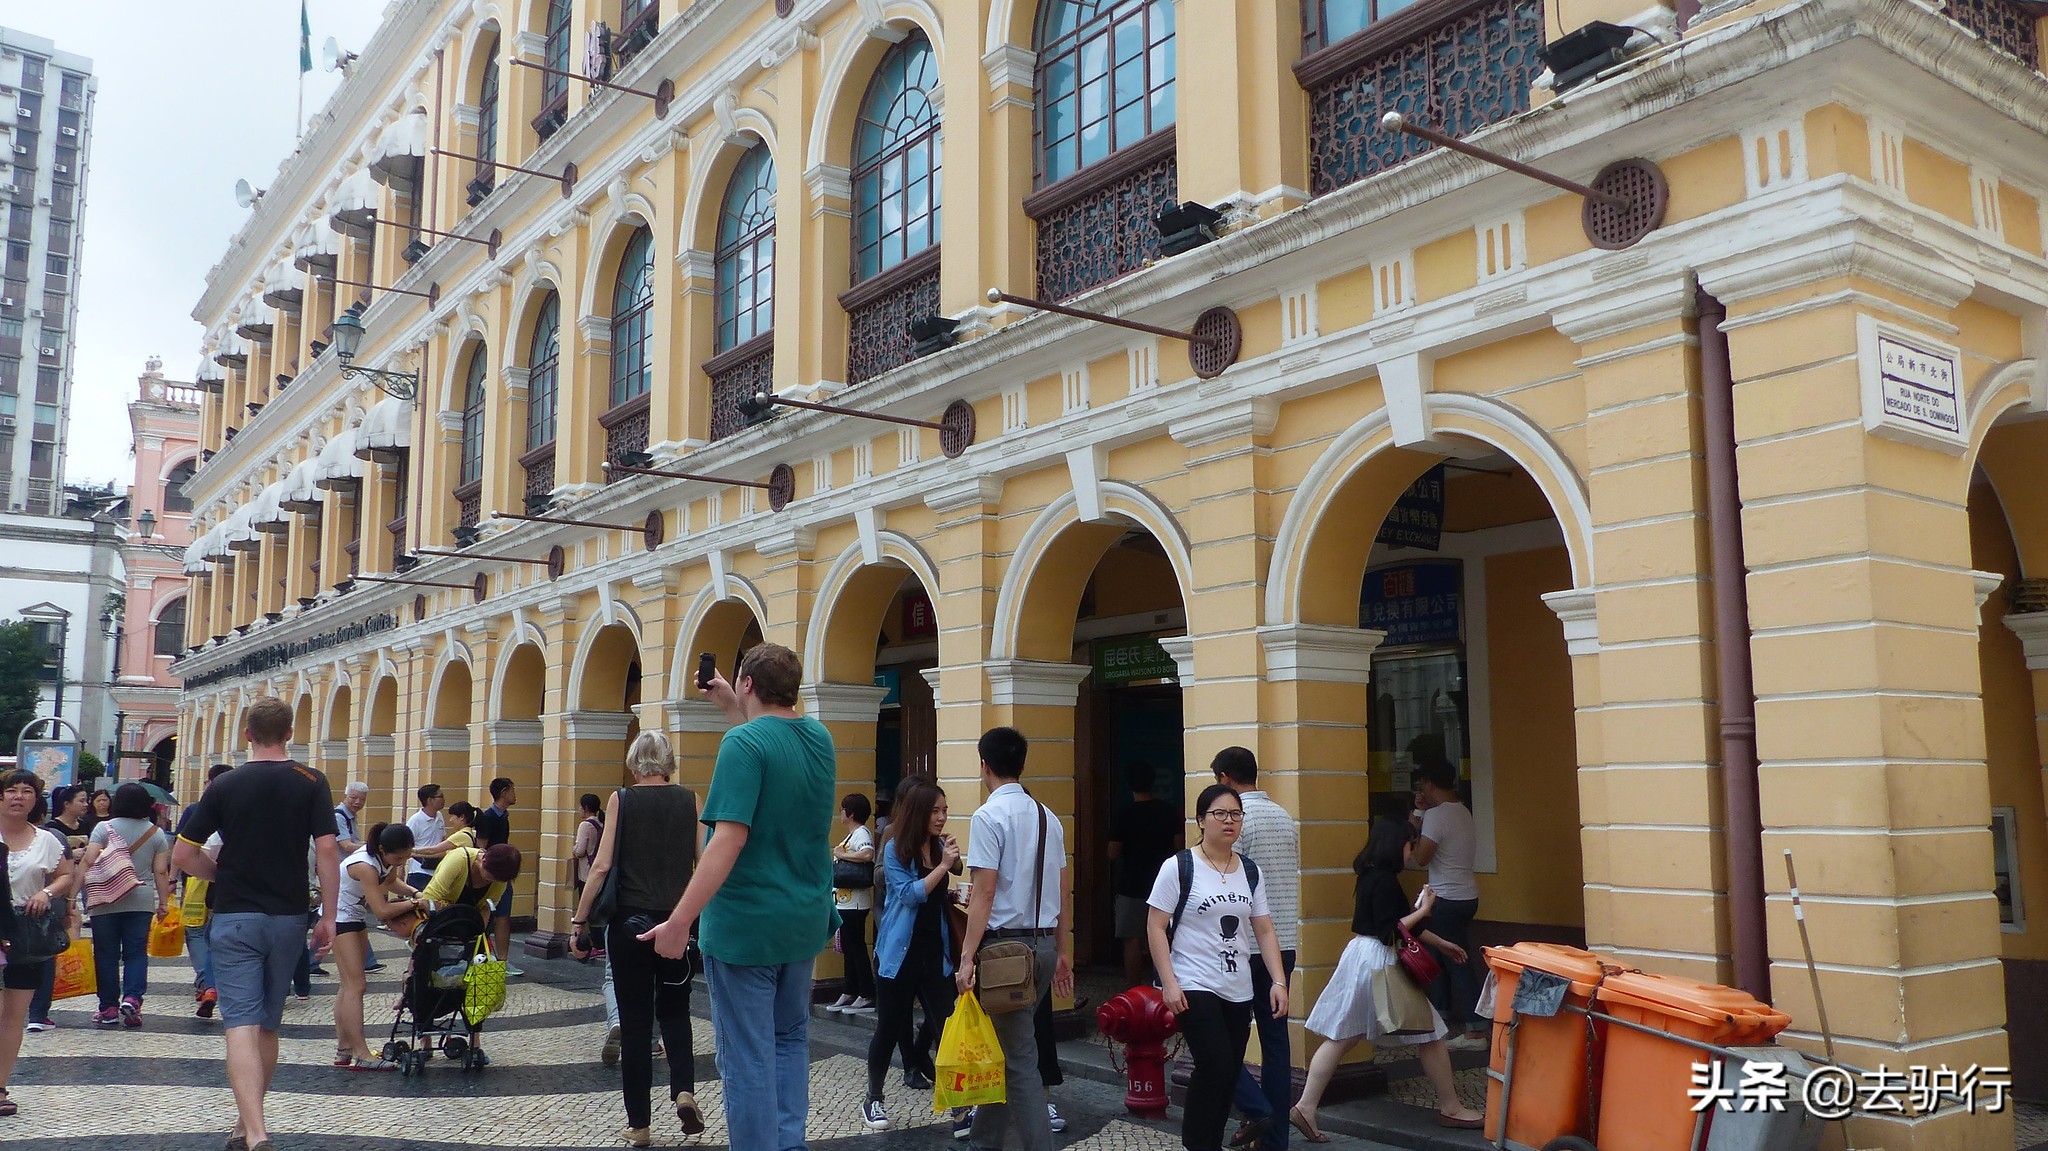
<point x="348" y="337"/>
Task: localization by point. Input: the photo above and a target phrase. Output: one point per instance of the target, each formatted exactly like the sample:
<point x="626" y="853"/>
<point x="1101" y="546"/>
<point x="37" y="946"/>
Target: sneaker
<point x="512" y="972"/>
<point x="874" y="1116"/>
<point x="40" y="1025"/>
<point x="320" y="971"/>
<point x="207" y="1000"/>
<point x="839" y="1004"/>
<point x="107" y="1017"/>
<point x="609" y="1055"/>
<point x="963" y="1122"/>
<point x="1053" y="1116"/>
<point x="1470" y="1041"/>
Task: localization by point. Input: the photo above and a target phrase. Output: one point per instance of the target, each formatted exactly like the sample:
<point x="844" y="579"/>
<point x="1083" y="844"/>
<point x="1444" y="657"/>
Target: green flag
<point x="305" y="40"/>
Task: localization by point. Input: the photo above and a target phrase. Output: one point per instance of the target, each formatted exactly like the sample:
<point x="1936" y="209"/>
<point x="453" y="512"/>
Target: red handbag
<point x="1416" y="959"/>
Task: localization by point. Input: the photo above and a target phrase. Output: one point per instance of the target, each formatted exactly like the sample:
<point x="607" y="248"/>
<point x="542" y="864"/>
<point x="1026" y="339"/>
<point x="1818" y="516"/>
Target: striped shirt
<point x="1273" y="841"/>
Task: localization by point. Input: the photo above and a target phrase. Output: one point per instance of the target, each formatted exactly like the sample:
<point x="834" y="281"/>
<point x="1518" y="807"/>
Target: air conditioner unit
<point x="35" y="313"/>
<point x="24" y="113"/>
<point x="49" y="351"/>
<point x="21" y="149"/>
<point x="73" y="132"/>
<point x="63" y="168"/>
<point x="43" y="201"/>
<point x="6" y="421"/>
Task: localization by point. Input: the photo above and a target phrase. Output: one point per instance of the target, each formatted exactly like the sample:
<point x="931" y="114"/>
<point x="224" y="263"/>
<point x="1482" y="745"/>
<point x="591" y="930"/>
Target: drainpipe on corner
<point x="1744" y="833"/>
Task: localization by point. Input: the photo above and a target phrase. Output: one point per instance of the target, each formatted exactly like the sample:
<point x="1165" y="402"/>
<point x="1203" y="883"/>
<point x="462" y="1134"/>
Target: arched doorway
<point x="378" y="751"/>
<point x="2008" y="511"/>
<point x="871" y="667"/>
<point x="726" y="627"/>
<point x="445" y="756"/>
<point x="163" y="760"/>
<point x="515" y="752"/>
<point x="1094" y="613"/>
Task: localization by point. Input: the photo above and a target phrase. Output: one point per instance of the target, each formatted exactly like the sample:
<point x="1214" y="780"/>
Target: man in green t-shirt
<point x="764" y="888"/>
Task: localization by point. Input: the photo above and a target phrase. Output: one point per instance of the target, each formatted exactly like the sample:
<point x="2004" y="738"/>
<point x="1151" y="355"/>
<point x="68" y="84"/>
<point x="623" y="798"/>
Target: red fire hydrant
<point x="1139" y="1020"/>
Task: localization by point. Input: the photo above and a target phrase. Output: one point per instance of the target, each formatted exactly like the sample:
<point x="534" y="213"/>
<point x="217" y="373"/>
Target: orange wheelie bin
<point x="1644" y="1080"/>
<point x="1549" y="1096"/>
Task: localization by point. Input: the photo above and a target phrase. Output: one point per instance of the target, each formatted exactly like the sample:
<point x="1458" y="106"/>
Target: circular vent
<point x="1646" y="193"/>
<point x="1218" y="339"/>
<point x="956" y="429"/>
<point x="654" y="530"/>
<point x="781" y="486"/>
<point x="558" y="562"/>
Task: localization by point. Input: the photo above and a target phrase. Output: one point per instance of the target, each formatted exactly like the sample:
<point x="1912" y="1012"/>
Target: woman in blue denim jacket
<point x="913" y="942"/>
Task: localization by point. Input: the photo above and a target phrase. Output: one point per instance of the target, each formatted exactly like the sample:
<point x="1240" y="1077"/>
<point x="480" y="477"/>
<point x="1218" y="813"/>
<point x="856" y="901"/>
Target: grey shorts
<point x="1131" y="913"/>
<point x="253" y="960"/>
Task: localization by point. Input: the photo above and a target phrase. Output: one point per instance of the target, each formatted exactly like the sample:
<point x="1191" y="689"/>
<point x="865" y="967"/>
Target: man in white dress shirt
<point x="1004" y="845"/>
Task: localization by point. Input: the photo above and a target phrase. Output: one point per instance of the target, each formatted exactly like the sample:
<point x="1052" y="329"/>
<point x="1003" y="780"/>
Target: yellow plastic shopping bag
<point x="970" y="1060"/>
<point x="167" y="934"/>
<point x="75" y="972"/>
<point x="193" y="911"/>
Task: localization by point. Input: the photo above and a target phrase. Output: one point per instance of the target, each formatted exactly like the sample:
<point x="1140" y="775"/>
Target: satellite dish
<point x="333" y="58"/>
<point x="246" y="194"/>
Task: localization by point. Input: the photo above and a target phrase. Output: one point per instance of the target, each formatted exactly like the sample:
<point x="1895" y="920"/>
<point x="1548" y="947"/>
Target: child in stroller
<point x="468" y="882"/>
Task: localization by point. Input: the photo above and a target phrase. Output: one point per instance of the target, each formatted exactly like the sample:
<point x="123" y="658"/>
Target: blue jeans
<point x="202" y="954"/>
<point x="120" y="955"/>
<point x="1456" y="992"/>
<point x="1269" y="1096"/>
<point x="761" y="1024"/>
<point x="46" y="990"/>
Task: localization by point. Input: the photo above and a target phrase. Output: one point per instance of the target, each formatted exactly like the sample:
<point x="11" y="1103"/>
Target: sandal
<point x="7" y="1108"/>
<point x="371" y="1064"/>
<point x="1309" y="1131"/>
<point x="1248" y="1134"/>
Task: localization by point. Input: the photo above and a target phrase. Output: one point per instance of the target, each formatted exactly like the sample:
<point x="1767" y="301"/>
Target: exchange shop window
<point x="1420" y="710"/>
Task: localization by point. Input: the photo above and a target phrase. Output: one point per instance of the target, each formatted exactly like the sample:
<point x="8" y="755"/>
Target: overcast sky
<point x="193" y="95"/>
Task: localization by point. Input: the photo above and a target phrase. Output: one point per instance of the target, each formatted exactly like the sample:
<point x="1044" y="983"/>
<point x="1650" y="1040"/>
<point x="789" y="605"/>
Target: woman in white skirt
<point x="1346" y="1013"/>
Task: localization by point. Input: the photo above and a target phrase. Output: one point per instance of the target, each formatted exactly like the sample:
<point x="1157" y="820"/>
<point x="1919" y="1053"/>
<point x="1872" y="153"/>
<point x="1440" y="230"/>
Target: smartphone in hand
<point x="707" y="666"/>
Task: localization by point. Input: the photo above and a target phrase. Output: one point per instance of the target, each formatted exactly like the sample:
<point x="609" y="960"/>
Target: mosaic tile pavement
<point x="163" y="1088"/>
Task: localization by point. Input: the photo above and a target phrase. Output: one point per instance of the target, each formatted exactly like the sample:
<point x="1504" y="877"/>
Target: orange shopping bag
<point x="167" y="934"/>
<point x="75" y="972"/>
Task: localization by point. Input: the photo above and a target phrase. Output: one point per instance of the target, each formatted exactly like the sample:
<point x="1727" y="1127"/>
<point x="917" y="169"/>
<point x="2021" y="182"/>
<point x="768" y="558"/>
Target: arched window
<point x="745" y="259"/>
<point x="632" y="304"/>
<point x="486" y="128"/>
<point x="473" y="419"/>
<point x="170" y="628"/>
<point x="175" y="499"/>
<point x="1105" y="79"/>
<point x="896" y="160"/>
<point x="554" y="53"/>
<point x="543" y="356"/>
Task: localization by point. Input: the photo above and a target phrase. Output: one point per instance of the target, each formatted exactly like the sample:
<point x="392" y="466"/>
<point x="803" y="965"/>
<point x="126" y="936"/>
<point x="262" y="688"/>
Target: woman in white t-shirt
<point x="1204" y="976"/>
<point x="854" y="904"/>
<point x="370" y="878"/>
<point x="38" y="879"/>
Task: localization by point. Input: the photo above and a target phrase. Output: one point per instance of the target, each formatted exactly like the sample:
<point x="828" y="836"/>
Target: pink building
<point x="165" y="420"/>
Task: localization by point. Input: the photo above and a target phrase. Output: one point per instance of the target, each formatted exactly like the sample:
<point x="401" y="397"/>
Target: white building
<point x="63" y="575"/>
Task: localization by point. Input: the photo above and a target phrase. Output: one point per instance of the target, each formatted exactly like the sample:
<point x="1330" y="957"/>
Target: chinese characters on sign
<point x="1414" y="603"/>
<point x="1119" y="661"/>
<point x="1829" y="1092"/>
<point x="1417" y="518"/>
<point x="1912" y="386"/>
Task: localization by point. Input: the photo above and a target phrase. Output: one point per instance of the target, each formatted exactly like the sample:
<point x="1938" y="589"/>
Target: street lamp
<point x="348" y="339"/>
<point x="145" y="528"/>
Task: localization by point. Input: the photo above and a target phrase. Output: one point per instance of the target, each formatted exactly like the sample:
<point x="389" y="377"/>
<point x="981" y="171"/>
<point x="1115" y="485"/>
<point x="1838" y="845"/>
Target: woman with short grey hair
<point x="643" y="825"/>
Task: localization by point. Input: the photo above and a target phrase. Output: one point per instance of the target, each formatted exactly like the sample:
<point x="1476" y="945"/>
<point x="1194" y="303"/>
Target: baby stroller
<point x="432" y="997"/>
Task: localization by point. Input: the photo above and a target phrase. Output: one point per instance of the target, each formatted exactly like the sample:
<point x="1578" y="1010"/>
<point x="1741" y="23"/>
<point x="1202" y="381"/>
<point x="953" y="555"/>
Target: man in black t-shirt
<point x="1141" y="838"/>
<point x="266" y="812"/>
<point x="494" y="826"/>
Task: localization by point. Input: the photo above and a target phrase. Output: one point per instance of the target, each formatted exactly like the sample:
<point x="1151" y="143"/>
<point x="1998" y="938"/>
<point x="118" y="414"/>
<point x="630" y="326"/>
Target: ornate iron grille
<point x="540" y="475"/>
<point x="2004" y="25"/>
<point x="878" y="329"/>
<point x="734" y="378"/>
<point x="1459" y="75"/>
<point x="626" y="428"/>
<point x="1105" y="232"/>
<point x="469" y="504"/>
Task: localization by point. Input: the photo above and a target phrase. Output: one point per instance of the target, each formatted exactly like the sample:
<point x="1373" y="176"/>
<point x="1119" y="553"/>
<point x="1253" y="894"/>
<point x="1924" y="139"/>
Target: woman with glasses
<point x="1206" y="908"/>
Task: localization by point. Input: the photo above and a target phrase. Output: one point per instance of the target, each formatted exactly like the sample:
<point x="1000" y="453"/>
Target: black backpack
<point x="1186" y="860"/>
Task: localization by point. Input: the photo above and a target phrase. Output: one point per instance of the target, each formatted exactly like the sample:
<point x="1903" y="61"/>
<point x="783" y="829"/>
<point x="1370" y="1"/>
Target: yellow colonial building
<point x="1410" y="456"/>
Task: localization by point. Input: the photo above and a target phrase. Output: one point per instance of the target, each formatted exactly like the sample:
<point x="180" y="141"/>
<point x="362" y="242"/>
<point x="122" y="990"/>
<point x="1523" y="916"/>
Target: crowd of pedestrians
<point x="747" y="892"/>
